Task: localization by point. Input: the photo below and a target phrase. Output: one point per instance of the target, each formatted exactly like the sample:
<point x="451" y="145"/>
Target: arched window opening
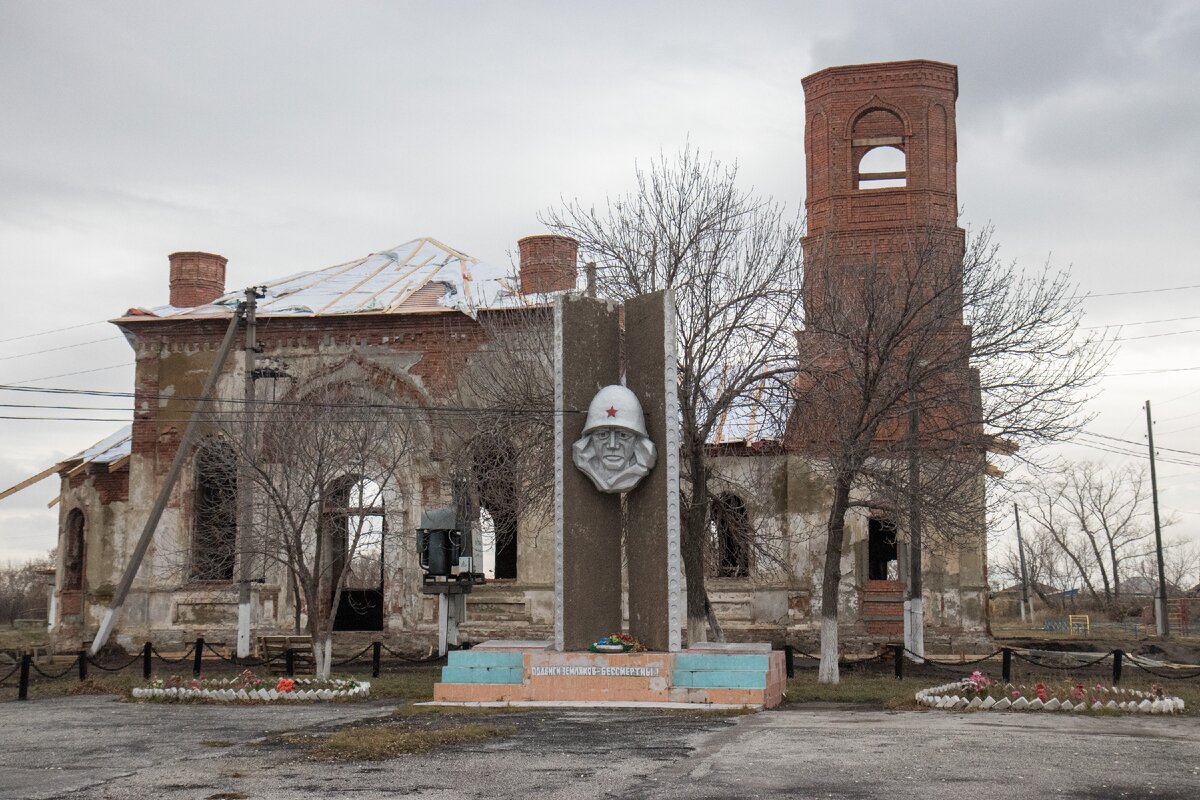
<point x="733" y="536"/>
<point x="214" y="513"/>
<point x="882" y="168"/>
<point x="73" y="552"/>
<point x="496" y="488"/>
<point x="882" y="551"/>
<point x="355" y="530"/>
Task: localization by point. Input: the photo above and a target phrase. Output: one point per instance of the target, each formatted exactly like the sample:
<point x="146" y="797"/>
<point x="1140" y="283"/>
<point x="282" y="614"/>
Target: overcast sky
<point x="293" y="135"/>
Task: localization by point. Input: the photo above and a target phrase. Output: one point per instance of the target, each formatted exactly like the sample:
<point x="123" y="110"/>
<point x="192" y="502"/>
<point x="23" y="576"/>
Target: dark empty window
<point x="733" y="535"/>
<point x="882" y="563"/>
<point x="73" y="552"/>
<point x="496" y="488"/>
<point x="214" y="524"/>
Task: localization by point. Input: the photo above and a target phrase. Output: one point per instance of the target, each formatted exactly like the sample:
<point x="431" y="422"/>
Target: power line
<point x="446" y="409"/>
<point x="1155" y="335"/>
<point x="69" y="374"/>
<point x="1090" y="295"/>
<point x="1139" y="444"/>
<point x="54" y="330"/>
<point x="56" y="349"/>
<point x="1131" y="324"/>
<point x="1149" y="372"/>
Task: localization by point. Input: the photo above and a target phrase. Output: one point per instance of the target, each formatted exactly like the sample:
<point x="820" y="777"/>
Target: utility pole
<point x="182" y="452"/>
<point x="1024" y="574"/>
<point x="245" y="479"/>
<point x="914" y="611"/>
<point x="1160" y="604"/>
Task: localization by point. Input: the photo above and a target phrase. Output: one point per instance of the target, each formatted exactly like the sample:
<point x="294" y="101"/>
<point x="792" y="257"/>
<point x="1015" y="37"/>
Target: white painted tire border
<point x="947" y="697"/>
<point x="230" y="695"/>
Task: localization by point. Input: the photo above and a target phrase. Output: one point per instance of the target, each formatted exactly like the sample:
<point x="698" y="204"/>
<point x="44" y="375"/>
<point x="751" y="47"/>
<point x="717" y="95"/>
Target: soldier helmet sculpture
<point x="615" y="450"/>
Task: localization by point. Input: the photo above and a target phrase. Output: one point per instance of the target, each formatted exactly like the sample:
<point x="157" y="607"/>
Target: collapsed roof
<point x="420" y="276"/>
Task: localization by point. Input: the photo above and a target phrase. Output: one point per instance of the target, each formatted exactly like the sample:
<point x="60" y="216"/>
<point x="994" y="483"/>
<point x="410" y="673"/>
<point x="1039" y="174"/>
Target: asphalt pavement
<point x="99" y="747"/>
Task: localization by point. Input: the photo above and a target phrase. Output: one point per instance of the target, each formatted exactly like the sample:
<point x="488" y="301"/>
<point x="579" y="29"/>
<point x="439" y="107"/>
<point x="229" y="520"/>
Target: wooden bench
<point x="274" y="649"/>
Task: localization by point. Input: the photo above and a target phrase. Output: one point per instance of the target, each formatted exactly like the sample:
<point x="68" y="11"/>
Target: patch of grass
<point x="228" y="796"/>
<point x="414" y="684"/>
<point x="217" y="743"/>
<point x="877" y="691"/>
<point x="381" y="742"/>
<point x="412" y="710"/>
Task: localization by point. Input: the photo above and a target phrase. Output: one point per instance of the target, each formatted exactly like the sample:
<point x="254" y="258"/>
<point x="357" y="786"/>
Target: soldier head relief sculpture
<point x="615" y="450"/>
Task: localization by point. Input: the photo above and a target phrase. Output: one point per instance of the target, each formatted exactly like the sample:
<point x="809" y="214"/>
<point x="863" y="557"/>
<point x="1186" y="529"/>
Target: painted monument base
<point x="515" y="672"/>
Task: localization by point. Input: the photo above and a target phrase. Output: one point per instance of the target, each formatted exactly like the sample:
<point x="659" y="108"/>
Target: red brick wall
<point x="883" y="231"/>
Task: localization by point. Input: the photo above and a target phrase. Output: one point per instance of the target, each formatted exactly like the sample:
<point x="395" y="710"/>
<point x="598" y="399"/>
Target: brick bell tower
<point x="881" y="153"/>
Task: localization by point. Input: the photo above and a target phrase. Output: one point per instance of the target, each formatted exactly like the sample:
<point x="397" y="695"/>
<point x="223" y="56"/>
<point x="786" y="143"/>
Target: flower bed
<point x="980" y="693"/>
<point x="248" y="687"/>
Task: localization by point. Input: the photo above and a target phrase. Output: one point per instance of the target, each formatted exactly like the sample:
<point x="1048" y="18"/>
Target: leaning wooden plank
<point x="25" y="484"/>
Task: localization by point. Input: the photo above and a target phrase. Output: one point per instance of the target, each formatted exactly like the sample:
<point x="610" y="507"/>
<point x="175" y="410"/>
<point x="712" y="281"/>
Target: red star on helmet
<point x="612" y="412"/>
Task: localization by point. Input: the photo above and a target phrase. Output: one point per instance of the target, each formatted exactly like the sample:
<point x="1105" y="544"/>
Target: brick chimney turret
<point x="547" y="263"/>
<point x="196" y="278"/>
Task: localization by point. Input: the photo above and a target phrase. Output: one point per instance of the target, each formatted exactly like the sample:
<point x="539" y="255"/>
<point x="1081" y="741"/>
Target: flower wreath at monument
<point x="618" y="642"/>
<point x="980" y="693"/>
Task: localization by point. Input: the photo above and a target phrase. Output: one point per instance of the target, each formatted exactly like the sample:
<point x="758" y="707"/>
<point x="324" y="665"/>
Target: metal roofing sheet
<point x="381" y="283"/>
<point x="106" y="451"/>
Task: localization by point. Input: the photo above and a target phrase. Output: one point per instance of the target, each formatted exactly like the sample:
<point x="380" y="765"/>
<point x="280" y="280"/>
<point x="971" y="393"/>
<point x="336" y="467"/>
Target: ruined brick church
<point x="880" y="145"/>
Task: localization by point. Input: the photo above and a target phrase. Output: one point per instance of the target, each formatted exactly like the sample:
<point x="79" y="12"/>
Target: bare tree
<point x="1181" y="566"/>
<point x="1099" y="517"/>
<point x="902" y="402"/>
<point x="23" y="591"/>
<point x="322" y="466"/>
<point x="1048" y="571"/>
<point x="734" y="262"/>
<point x="501" y="452"/>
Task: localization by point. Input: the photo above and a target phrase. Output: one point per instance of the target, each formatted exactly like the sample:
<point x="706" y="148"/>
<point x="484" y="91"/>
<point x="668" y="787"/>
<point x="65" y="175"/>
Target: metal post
<point x="23" y="685"/>
<point x="1006" y="668"/>
<point x="244" y="494"/>
<point x="789" y="660"/>
<point x="376" y="653"/>
<point x="1160" y="604"/>
<point x="83" y="665"/>
<point x="289" y="662"/>
<point x="898" y="650"/>
<point x="199" y="654"/>
<point x="443" y="622"/>
<point x="182" y="452"/>
<point x="914" y="616"/>
<point x="1024" y="575"/>
<point x="1118" y="657"/>
<point x="147" y="650"/>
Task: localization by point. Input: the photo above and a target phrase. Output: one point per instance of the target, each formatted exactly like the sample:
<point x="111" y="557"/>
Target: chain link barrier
<point x="426" y="660"/>
<point x="126" y="665"/>
<point x="1165" y="676"/>
<point x="237" y="662"/>
<point x="186" y="656"/>
<point x="1069" y="667"/>
<point x="55" y="676"/>
<point x="354" y="657"/>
